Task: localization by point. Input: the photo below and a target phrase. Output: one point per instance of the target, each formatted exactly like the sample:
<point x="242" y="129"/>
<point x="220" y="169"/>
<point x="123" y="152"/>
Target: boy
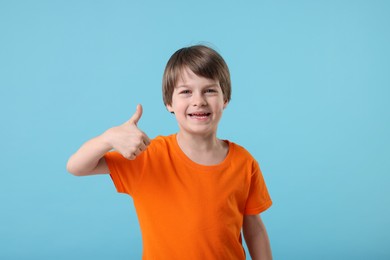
<point x="193" y="192"/>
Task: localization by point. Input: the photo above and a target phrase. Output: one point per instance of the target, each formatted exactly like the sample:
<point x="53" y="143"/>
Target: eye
<point x="186" y="91"/>
<point x="211" y="90"/>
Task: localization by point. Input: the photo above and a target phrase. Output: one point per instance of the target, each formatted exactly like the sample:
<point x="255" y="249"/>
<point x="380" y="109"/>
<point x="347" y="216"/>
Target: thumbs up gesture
<point x="127" y="138"/>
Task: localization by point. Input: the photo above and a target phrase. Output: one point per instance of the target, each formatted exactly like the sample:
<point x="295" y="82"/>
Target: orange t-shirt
<point x="186" y="210"/>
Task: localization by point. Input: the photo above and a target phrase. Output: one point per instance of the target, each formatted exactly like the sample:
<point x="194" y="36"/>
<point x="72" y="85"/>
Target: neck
<point x="205" y="150"/>
<point x="198" y="142"/>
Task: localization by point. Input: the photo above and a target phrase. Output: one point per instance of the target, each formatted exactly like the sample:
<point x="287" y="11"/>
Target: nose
<point x="199" y="100"/>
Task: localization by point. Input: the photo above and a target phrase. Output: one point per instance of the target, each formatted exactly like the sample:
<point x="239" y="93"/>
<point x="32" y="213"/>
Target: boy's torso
<point x="183" y="206"/>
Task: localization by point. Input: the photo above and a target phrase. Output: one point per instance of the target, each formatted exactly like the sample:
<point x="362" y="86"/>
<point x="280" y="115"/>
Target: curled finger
<point x="142" y="147"/>
<point x="146" y="139"/>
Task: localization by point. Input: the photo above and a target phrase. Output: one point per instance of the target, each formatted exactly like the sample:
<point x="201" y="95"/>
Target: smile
<point x="199" y="115"/>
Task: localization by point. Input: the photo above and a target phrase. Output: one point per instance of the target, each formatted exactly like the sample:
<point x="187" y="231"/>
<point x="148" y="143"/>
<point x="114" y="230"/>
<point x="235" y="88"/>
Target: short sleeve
<point x="124" y="173"/>
<point x="258" y="198"/>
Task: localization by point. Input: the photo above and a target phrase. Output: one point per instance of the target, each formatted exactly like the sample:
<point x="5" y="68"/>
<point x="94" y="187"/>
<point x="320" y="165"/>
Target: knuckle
<point x="128" y="155"/>
<point x="140" y="141"/>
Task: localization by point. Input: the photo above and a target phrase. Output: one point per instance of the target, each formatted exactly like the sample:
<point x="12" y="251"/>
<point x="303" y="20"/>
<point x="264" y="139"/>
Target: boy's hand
<point x="127" y="138"/>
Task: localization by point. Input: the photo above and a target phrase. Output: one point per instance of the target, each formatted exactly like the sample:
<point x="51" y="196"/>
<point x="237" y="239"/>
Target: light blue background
<point x="311" y="84"/>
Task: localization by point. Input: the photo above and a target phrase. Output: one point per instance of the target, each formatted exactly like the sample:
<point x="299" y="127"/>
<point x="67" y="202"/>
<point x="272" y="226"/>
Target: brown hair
<point x="201" y="60"/>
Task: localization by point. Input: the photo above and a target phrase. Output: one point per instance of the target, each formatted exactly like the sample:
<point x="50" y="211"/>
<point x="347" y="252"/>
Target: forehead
<point x="187" y="77"/>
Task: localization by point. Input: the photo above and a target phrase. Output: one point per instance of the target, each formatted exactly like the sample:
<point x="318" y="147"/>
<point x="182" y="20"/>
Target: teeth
<point x="206" y="114"/>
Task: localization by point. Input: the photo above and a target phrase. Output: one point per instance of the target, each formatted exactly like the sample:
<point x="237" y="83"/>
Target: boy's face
<point x="198" y="103"/>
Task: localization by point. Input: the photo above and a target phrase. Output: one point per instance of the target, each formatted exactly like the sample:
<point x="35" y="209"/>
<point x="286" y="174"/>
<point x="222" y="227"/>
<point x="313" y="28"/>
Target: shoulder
<point x="240" y="151"/>
<point x="243" y="157"/>
<point x="161" y="143"/>
<point x="162" y="140"/>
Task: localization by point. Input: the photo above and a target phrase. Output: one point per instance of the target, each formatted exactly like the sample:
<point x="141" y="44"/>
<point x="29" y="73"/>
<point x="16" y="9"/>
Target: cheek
<point x="179" y="104"/>
<point x="221" y="104"/>
<point x="179" y="108"/>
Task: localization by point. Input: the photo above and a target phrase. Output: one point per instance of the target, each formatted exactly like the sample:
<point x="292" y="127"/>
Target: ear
<point x="225" y="104"/>
<point x="169" y="108"/>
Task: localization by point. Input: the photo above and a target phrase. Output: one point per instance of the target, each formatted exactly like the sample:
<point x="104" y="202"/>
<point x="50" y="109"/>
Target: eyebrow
<point x="205" y="86"/>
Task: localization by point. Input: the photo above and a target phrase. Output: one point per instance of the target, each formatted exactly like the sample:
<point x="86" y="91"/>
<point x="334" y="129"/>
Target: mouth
<point x="199" y="115"/>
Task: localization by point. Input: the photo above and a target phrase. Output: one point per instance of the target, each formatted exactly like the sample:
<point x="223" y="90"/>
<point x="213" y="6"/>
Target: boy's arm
<point x="256" y="238"/>
<point x="89" y="158"/>
<point x="127" y="139"/>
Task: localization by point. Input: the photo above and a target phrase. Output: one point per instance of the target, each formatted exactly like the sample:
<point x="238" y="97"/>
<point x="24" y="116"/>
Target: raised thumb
<point x="137" y="115"/>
